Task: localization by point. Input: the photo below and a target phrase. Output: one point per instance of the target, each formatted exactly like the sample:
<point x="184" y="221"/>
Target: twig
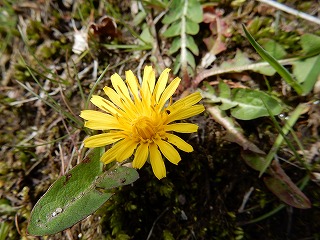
<point x="245" y="200"/>
<point x="155" y="221"/>
<point x="291" y="11"/>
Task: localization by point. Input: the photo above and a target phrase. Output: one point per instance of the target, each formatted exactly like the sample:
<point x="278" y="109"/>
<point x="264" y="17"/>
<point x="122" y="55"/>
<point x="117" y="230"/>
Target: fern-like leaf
<point x="183" y="19"/>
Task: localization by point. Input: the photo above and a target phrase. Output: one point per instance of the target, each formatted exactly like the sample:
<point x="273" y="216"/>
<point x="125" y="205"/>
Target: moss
<point x="36" y="32"/>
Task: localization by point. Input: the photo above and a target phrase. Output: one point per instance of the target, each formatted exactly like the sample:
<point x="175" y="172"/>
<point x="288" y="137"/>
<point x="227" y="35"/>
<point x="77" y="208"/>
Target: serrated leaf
<point x="240" y="59"/>
<point x="250" y="106"/>
<point x="192" y="45"/>
<point x="246" y="104"/>
<point x="307" y="72"/>
<point x="310" y="44"/>
<point x="173" y="30"/>
<point x="225" y="93"/>
<point x="76" y="195"/>
<point x="194" y="11"/>
<point x="175" y="13"/>
<point x="175" y="46"/>
<point x="275" y="49"/>
<point x="265" y="70"/>
<point x="301" y="68"/>
<point x="192" y="28"/>
<point x="312" y="77"/>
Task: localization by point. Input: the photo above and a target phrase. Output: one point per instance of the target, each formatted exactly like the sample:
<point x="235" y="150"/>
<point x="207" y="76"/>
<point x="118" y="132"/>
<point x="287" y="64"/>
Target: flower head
<point x="139" y="122"/>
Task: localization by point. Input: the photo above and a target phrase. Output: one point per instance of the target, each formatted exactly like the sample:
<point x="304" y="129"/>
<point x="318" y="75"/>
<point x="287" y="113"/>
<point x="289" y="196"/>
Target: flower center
<point x="145" y="128"/>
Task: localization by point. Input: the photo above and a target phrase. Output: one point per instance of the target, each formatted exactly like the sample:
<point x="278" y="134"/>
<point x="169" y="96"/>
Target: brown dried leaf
<point x="104" y="29"/>
<point x="282" y="186"/>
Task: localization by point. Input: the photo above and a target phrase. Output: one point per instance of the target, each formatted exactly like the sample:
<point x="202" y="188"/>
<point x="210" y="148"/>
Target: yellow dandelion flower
<point x="139" y="122"/>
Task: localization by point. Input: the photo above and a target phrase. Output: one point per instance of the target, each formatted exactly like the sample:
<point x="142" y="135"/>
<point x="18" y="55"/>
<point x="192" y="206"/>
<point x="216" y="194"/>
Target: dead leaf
<point x="104" y="29"/>
<point x="219" y="29"/>
<point x="282" y="186"/>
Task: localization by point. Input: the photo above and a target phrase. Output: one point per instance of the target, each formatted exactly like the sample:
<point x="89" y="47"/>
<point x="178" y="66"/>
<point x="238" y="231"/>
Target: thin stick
<point x="291" y="11"/>
<point x="154" y="223"/>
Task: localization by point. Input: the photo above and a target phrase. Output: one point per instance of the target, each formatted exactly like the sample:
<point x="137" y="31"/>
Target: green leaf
<point x="225" y="93"/>
<point x="4" y="230"/>
<point x="177" y="64"/>
<point x="302" y="67"/>
<point x="76" y="195"/>
<point x="242" y="62"/>
<point x="183" y="17"/>
<point x="175" y="12"/>
<point x="241" y="59"/>
<point x="194" y="11"/>
<point x="176" y="67"/>
<point x="192" y="45"/>
<point x="274" y="49"/>
<point x="250" y="106"/>
<point x="146" y="36"/>
<point x="175" y="46"/>
<point x="254" y="160"/>
<point x="274" y="63"/>
<point x="310" y="44"/>
<point x="139" y="18"/>
<point x="265" y="70"/>
<point x="173" y="30"/>
<point x="191" y="27"/>
<point x="190" y="60"/>
<point x="307" y="72"/>
<point x="245" y="104"/>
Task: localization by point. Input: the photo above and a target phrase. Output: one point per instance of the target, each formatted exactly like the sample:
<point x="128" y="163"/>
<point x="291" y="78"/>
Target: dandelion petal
<point x="182" y="127"/>
<point x="161" y="83"/>
<point x="149" y="80"/>
<point x="103" y="104"/>
<point x="187" y="101"/>
<point x="119" y="85"/>
<point x="157" y="163"/>
<point x="102" y="139"/>
<point x="114" y="97"/>
<point x="168" y="151"/>
<point x="110" y="155"/>
<point x="99" y="121"/>
<point x="132" y="83"/>
<point x="185" y="113"/>
<point x="125" y="150"/>
<point x="169" y="91"/>
<point x="179" y="143"/>
<point x="141" y="155"/>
